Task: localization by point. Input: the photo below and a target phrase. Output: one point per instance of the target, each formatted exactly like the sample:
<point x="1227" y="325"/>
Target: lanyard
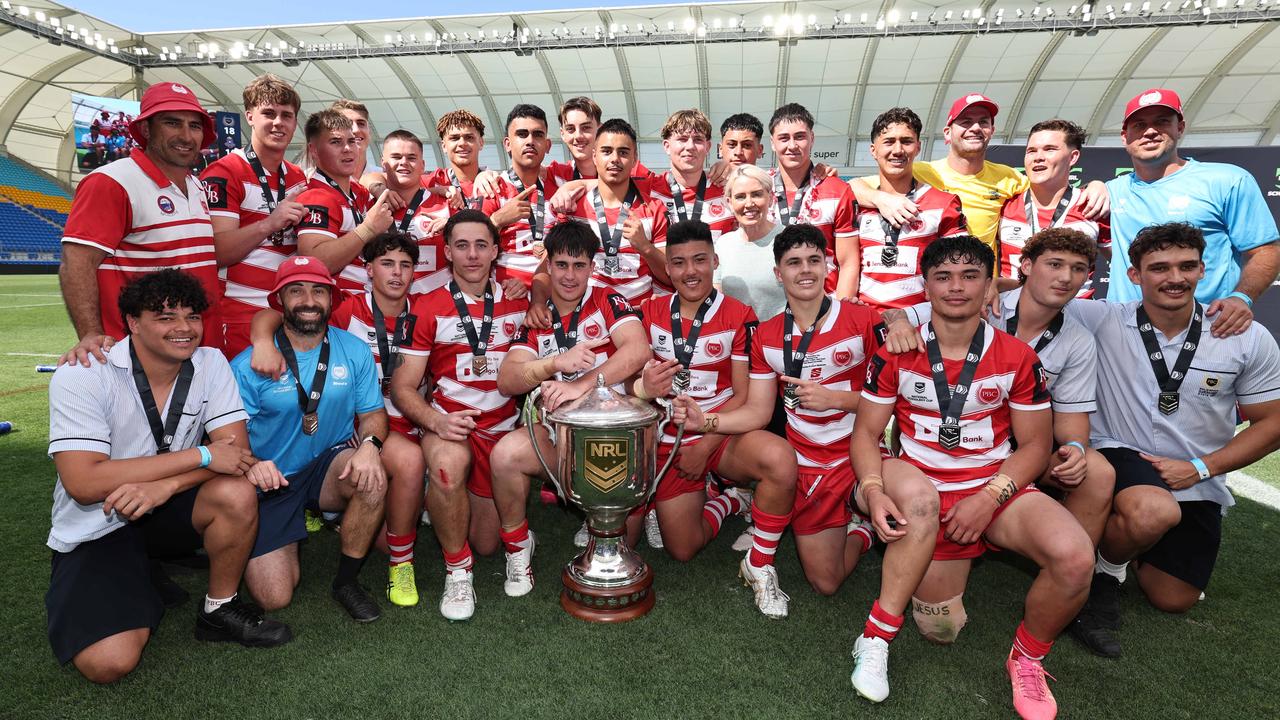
<point x="788" y="214"/>
<point x="410" y="211"/>
<point x="1059" y="212"/>
<point x="1055" y="327"/>
<point x="793" y="360"/>
<point x="479" y="342"/>
<point x="308" y="402"/>
<point x="611" y="237"/>
<point x="273" y="200"/>
<point x="677" y="197"/>
<point x="1169" y="382"/>
<point x="356" y="214"/>
<point x="162" y="434"/>
<point x="889" y="254"/>
<point x="388" y="347"/>
<point x="537" y="209"/>
<point x="684" y="349"/>
<point x="951" y="405"/>
<point x="467" y="202"/>
<point x="566" y="340"/>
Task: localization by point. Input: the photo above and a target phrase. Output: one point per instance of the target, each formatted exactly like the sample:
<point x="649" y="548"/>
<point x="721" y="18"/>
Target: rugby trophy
<point x="607" y="447"/>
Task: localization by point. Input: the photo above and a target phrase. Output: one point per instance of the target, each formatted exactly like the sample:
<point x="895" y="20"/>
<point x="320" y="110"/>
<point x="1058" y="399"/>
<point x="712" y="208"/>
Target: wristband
<point x="637" y="389"/>
<point x="1241" y="296"/>
<point x="870" y="481"/>
<point x="364" y="234"/>
<point x="710" y="423"/>
<point x="206" y="457"/>
<point x="1075" y="445"/>
<point x="1002" y="487"/>
<point x="1201" y="468"/>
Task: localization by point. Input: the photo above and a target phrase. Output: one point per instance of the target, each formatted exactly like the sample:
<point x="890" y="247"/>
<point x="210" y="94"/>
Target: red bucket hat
<point x="300" y="268"/>
<point x="170" y="97"/>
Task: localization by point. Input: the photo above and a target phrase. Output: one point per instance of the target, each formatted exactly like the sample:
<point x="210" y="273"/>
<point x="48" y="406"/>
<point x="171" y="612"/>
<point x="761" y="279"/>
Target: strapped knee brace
<point x="939" y="622"/>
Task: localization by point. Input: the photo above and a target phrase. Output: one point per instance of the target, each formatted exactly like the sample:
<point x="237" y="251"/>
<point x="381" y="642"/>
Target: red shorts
<point x="948" y="550"/>
<point x="822" y="499"/>
<point x="480" y="482"/>
<point x="404" y="427"/>
<point x="672" y="485"/>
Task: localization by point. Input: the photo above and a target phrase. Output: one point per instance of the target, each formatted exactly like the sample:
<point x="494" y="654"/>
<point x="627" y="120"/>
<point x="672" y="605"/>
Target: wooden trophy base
<point x="607" y="605"/>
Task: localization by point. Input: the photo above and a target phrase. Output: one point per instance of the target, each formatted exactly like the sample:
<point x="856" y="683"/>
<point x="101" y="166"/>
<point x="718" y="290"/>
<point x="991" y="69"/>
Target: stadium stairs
<point x="33" y="213"/>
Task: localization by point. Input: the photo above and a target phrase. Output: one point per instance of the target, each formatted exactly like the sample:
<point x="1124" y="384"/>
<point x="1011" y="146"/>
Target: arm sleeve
<point x="78" y="411"/>
<point x="742" y="337"/>
<point x="617" y="311"/>
<point x="321" y="214"/>
<point x="759" y="367"/>
<point x="1259" y="382"/>
<point x="222" y="192"/>
<point x="423" y="336"/>
<point x="844" y="220"/>
<point x="1030" y="389"/>
<point x="1075" y="390"/>
<point x="224" y="403"/>
<point x="100" y="214"/>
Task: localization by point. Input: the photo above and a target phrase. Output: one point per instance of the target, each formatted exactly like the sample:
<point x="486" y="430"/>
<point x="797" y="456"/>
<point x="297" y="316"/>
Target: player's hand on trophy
<point x="557" y="392"/>
<point x="579" y="358"/>
<point x="880" y="507"/>
<point x="968" y="519"/>
<point x="1177" y="474"/>
<point x="1069" y="473"/>
<point x="454" y="426"/>
<point x="266" y="476"/>
<point x="687" y="412"/>
<point x="657" y="376"/>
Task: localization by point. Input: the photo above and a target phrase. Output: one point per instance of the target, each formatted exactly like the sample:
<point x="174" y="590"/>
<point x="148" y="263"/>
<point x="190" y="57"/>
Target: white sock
<point x="1115" y="570"/>
<point x="211" y="604"/>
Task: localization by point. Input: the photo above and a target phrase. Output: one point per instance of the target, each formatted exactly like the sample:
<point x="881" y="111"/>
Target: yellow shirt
<point x="982" y="195"/>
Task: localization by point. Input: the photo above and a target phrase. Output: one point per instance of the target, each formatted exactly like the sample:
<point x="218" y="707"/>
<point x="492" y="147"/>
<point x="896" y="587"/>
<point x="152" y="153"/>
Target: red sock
<point x="767" y="534"/>
<point x="1028" y="645"/>
<point x="863" y="533"/>
<point x="881" y="624"/>
<point x="400" y="547"/>
<point x="515" y="540"/>
<point x="717" y="509"/>
<point x="460" y="560"/>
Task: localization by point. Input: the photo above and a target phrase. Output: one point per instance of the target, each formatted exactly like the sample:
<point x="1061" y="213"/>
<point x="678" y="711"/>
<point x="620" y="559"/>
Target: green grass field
<point x="704" y="651"/>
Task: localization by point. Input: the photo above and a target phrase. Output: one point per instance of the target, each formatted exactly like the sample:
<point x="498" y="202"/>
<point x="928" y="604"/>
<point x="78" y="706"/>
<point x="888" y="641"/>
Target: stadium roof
<point x="846" y="61"/>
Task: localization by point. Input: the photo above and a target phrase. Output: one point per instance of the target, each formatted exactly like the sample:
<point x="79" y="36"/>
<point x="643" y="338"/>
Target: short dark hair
<point x="327" y="120"/>
<point x="617" y="126"/>
<point x="896" y="116"/>
<point x="389" y="241"/>
<point x="1154" y="238"/>
<point x="404" y="135"/>
<point x="687" y="231"/>
<point x="791" y="112"/>
<point x="794" y="236"/>
<point x="573" y="239"/>
<point x="156" y="290"/>
<point x="1075" y="135"/>
<point x="469" y="215"/>
<point x="525" y="110"/>
<point x="964" y="249"/>
<point x="742" y="121"/>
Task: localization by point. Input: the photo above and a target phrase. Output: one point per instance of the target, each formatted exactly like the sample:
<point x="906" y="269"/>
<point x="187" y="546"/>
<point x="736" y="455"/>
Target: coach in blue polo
<point x="299" y="426"/>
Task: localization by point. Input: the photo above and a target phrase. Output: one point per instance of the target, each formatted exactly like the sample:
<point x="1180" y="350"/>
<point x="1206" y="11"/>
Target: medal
<point x="611" y="237"/>
<point x="951" y="405"/>
<point x="308" y="402"/>
<point x="565" y="340"/>
<point x="479" y="364"/>
<point x="680" y="383"/>
<point x="889" y="253"/>
<point x="310" y="423"/>
<point x="1168" y="402"/>
<point x="949" y="435"/>
<point x="793" y="360"/>
<point x="388" y="345"/>
<point x="788" y="214"/>
<point x="790" y="400"/>
<point x="611" y="264"/>
<point x="271" y="200"/>
<point x="684" y="348"/>
<point x="1169" y="381"/>
<point x="479" y="342"/>
<point x="889" y="256"/>
<point x="677" y="199"/>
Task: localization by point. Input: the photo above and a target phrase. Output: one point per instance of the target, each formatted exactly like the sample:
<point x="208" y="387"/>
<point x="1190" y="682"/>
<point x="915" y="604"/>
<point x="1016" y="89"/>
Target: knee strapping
<point x="939" y="622"/>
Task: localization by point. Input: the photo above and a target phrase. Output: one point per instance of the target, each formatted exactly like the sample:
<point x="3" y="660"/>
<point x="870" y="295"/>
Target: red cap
<point x="966" y="101"/>
<point x="1153" y="97"/>
<point x="170" y="97"/>
<point x="299" y="268"/>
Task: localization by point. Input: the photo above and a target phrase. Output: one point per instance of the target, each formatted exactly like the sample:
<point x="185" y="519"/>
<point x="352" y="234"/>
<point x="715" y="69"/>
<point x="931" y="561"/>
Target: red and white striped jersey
<point x="725" y="338"/>
<point x="633" y="279"/>
<point x="233" y="191"/>
<point x="602" y="313"/>
<point x="715" y="204"/>
<point x="440" y="176"/>
<point x="558" y="173"/>
<point x="438" y="335"/>
<point x="901" y="285"/>
<point x="837" y="357"/>
<point x="828" y="205"/>
<point x="432" y="270"/>
<point x="354" y="313"/>
<point x="135" y="214"/>
<point x="1008" y="377"/>
<point x="520" y="254"/>
<point x="329" y="213"/>
<point x="1015" y="231"/>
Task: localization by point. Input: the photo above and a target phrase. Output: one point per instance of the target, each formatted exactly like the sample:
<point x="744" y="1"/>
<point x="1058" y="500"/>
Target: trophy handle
<point x="533" y="417"/>
<point x="662" y="426"/>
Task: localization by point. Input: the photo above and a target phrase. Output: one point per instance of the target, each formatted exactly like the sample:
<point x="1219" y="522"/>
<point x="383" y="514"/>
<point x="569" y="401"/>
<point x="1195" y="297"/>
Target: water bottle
<point x="6" y="428"/>
<point x="46" y="368"/>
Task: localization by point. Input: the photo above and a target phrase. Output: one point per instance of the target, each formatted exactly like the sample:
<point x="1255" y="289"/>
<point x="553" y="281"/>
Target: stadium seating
<point x="33" y="211"/>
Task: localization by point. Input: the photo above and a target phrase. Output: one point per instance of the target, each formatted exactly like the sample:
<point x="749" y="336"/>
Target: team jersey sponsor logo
<point x="316" y="216"/>
<point x="715" y="209"/>
<point x="339" y="372"/>
<point x="165" y="204"/>
<point x="215" y="192"/>
<point x="989" y="395"/>
<point x="509" y="327"/>
<point x="714" y="349"/>
<point x="592" y="331"/>
<point x="843" y="357"/>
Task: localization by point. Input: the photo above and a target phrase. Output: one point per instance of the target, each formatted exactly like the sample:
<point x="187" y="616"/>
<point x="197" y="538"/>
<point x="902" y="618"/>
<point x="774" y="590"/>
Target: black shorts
<point x="1189" y="550"/>
<point x="281" y="520"/>
<point x="103" y="587"/>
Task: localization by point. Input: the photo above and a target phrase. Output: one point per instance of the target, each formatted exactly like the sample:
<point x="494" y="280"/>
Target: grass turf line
<point x="704" y="650"/>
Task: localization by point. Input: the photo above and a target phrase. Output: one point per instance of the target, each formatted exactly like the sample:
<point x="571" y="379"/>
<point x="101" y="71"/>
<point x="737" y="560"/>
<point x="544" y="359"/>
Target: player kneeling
<point x="961" y="404"/>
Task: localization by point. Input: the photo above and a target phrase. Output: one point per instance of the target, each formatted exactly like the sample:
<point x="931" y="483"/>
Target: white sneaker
<point x="459" y="599"/>
<point x="580" y="537"/>
<point x="764" y="581"/>
<point x="744" y="496"/>
<point x="519" y="580"/>
<point x="652" y="533"/>
<point x="871" y="668"/>
<point x="426" y="518"/>
<point x="745" y="540"/>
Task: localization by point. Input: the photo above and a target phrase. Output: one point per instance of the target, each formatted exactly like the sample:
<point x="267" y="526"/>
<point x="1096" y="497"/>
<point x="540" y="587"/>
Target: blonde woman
<point x="746" y="254"/>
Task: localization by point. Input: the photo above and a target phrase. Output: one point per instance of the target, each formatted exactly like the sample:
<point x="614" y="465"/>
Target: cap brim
<point x="1176" y="110"/>
<point x="273" y="297"/>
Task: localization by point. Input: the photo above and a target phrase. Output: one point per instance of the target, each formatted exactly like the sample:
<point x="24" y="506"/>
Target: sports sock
<point x="211" y="604"/>
<point x="862" y="531"/>
<point x="717" y="509"/>
<point x="1115" y="570"/>
<point x="515" y="540"/>
<point x="348" y="569"/>
<point x="768" y="531"/>
<point x="400" y="547"/>
<point x="460" y="560"/>
<point x="881" y="624"/>
<point x="1027" y="645"/>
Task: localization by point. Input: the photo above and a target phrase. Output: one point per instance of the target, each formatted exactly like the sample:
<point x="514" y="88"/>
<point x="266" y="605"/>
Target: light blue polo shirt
<point x="275" y="420"/>
<point x="1223" y="200"/>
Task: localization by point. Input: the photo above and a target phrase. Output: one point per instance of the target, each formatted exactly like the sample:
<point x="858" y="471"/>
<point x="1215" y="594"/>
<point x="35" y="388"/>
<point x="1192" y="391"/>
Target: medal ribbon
<point x="162" y="434"/>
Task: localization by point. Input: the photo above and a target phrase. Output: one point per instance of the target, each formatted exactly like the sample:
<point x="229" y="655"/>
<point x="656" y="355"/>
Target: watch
<point x="373" y="439"/>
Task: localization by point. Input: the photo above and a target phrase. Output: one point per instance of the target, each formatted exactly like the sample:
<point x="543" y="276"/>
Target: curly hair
<point x="964" y="249"/>
<point x="160" y="289"/>
<point x="799" y="235"/>
<point x="391" y="240"/>
<point x="1154" y="238"/>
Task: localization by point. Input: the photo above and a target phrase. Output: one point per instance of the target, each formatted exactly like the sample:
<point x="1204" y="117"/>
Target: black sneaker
<point x="1098" y="620"/>
<point x="357" y="601"/>
<point x="171" y="593"/>
<point x="1104" y="600"/>
<point x="238" y="621"/>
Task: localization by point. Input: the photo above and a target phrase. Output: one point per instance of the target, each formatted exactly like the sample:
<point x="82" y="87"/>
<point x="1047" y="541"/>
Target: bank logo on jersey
<point x="215" y="192"/>
<point x="509" y="327"/>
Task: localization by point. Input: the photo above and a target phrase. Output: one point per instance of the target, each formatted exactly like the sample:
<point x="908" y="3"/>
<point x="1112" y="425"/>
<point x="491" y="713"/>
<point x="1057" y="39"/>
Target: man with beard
<point x="299" y="426"/>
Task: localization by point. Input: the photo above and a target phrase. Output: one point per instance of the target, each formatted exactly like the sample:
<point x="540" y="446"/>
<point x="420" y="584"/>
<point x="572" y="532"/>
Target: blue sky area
<point x="151" y="16"/>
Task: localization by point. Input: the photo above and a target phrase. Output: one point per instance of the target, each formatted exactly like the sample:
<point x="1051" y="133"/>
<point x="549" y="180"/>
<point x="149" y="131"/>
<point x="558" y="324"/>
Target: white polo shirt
<point x="1243" y="369"/>
<point x="97" y="409"/>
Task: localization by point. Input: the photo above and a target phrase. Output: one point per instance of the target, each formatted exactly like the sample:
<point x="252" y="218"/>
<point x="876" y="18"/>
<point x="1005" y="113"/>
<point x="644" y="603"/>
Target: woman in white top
<point x="746" y="254"/>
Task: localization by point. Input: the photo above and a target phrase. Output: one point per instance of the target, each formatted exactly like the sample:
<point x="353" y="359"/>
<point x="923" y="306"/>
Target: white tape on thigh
<point x="939" y="622"/>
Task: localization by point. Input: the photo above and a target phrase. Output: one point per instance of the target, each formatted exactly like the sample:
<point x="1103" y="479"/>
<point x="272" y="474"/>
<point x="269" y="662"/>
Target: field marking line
<point x="15" y="307"/>
<point x="43" y="355"/>
<point x="1250" y="487"/>
<point x="30" y="295"/>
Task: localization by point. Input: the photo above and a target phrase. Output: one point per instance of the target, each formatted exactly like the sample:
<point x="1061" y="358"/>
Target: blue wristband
<point x="1076" y="445"/>
<point x="206" y="457"/>
<point x="1201" y="468"/>
<point x="1241" y="296"/>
